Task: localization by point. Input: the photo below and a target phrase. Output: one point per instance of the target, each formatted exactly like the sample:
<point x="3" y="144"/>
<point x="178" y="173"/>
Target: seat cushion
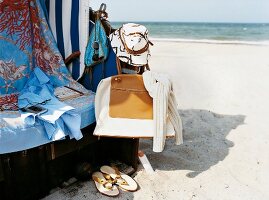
<point x="17" y="136"/>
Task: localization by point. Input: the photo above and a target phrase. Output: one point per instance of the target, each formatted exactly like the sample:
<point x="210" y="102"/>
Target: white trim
<point x="83" y="31"/>
<point x="52" y="18"/>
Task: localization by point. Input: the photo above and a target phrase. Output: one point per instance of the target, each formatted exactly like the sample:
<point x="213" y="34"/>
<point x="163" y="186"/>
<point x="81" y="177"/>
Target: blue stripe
<point x="44" y="7"/>
<point x="75" y="36"/>
<point x="47" y="2"/>
<point x="59" y="26"/>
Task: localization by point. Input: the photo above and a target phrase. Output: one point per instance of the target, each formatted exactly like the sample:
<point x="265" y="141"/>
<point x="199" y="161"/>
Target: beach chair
<point x="122" y="149"/>
<point x="31" y="164"/>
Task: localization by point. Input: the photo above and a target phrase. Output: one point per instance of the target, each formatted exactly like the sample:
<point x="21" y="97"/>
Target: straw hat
<point x="131" y="44"/>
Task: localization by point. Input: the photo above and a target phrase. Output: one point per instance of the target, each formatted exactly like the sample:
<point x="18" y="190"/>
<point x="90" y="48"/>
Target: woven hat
<point x="131" y="44"/>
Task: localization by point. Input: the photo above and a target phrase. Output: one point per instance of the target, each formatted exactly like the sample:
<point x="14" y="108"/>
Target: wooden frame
<point x="32" y="173"/>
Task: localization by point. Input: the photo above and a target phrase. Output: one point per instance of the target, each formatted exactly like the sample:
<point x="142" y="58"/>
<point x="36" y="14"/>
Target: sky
<point x="244" y="11"/>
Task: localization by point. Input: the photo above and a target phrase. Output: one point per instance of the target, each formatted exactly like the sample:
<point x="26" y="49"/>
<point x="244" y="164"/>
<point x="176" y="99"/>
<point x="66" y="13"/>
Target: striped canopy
<point x="69" y="22"/>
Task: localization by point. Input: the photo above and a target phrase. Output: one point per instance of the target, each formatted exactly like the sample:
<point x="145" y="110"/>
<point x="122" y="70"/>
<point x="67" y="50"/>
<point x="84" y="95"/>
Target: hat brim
<point x="123" y="55"/>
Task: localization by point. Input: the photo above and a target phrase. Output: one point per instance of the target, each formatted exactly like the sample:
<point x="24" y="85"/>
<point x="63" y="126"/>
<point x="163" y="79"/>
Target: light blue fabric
<point x="15" y="135"/>
<point x="58" y="117"/>
<point x="98" y="34"/>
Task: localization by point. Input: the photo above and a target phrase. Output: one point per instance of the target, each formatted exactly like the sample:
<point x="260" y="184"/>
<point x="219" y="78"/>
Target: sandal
<point x="122" y="180"/>
<point x="104" y="186"/>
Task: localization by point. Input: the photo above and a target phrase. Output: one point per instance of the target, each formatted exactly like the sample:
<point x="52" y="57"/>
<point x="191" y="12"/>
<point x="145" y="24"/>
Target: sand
<point x="223" y="96"/>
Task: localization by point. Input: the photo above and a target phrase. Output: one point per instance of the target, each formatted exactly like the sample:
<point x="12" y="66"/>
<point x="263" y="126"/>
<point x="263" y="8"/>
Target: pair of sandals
<point x="109" y="178"/>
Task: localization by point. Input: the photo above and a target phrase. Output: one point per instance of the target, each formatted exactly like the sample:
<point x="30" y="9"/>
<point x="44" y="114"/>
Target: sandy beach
<point x="223" y="96"/>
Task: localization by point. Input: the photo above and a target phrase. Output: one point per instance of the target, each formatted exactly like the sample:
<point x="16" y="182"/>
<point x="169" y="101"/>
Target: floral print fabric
<point x="26" y="42"/>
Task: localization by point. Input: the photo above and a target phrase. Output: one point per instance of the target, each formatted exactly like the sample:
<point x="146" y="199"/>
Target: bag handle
<point x="118" y="65"/>
<point x="147" y="67"/>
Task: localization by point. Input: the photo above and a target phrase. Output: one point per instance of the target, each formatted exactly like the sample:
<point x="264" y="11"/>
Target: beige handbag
<point x="123" y="108"/>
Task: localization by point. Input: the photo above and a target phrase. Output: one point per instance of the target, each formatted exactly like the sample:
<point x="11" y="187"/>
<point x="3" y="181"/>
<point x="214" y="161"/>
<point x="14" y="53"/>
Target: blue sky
<point x="187" y="10"/>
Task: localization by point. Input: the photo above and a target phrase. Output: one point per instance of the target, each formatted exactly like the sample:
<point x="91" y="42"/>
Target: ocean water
<point x="207" y="32"/>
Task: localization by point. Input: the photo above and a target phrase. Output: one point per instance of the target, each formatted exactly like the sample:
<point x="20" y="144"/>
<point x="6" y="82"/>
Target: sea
<point x="234" y="33"/>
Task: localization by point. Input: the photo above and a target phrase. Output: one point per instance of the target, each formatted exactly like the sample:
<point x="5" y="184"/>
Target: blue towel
<point x="59" y="120"/>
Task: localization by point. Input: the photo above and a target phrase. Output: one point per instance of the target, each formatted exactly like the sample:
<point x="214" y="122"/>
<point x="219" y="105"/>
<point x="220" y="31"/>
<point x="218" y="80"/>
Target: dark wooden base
<point x="31" y="174"/>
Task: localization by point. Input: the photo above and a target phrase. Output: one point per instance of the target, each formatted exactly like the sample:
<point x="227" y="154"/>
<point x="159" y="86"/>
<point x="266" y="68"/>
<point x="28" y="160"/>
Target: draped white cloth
<point x="160" y="88"/>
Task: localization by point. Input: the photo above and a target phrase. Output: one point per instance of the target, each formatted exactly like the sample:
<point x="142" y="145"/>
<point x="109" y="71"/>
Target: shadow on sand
<point x="205" y="142"/>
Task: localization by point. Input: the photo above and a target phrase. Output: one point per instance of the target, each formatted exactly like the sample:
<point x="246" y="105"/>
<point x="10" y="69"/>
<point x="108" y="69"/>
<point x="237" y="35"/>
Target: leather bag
<point x="123" y="108"/>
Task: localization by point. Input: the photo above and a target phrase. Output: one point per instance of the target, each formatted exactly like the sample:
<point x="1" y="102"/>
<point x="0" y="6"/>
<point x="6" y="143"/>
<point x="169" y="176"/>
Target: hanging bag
<point x="124" y="108"/>
<point x="98" y="46"/>
<point x="104" y="62"/>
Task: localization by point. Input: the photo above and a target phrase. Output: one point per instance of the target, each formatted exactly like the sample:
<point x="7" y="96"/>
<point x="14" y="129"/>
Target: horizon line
<point x="125" y="21"/>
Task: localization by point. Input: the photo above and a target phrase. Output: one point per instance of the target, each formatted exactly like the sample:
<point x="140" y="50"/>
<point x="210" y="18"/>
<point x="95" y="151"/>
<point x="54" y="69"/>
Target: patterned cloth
<point x="26" y="42"/>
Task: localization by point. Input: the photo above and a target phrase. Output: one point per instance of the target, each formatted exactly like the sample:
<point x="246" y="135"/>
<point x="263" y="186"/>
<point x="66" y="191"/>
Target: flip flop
<point x="124" y="181"/>
<point x="103" y="186"/>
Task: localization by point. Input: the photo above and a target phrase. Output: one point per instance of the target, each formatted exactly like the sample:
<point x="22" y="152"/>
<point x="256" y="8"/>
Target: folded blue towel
<point x="59" y="120"/>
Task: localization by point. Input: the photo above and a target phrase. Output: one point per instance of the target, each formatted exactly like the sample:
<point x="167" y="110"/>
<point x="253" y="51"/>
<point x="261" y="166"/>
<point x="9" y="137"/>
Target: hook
<point x="102" y="7"/>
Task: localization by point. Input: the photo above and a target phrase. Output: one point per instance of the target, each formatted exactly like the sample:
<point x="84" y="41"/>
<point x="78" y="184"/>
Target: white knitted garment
<point x="160" y="88"/>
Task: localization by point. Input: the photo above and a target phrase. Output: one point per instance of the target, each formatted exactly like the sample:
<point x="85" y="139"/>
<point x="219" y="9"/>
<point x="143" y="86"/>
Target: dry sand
<point x="223" y="96"/>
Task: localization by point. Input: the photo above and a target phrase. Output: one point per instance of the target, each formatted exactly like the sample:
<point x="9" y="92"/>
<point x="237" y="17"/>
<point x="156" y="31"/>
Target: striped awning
<point x="69" y="22"/>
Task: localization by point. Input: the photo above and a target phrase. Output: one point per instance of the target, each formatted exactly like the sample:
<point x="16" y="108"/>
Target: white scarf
<point x="160" y="88"/>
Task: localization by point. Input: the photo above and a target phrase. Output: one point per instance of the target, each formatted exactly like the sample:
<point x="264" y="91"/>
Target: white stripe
<point x="52" y="18"/>
<point x="83" y="30"/>
<point x="66" y="10"/>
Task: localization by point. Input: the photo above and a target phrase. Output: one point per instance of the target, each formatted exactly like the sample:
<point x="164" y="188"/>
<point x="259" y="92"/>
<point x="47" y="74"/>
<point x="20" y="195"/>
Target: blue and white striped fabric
<point x="69" y="22"/>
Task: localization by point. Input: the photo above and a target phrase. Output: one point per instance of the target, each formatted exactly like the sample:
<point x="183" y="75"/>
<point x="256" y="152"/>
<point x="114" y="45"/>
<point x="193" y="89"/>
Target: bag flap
<point x="128" y="82"/>
<point x="129" y="98"/>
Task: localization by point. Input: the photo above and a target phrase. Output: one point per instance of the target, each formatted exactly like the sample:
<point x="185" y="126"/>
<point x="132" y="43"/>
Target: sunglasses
<point x="36" y="103"/>
<point x="15" y="105"/>
<point x="96" y="56"/>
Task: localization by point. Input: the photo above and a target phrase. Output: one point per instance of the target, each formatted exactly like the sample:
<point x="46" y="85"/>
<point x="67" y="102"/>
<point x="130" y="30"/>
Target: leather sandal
<point x="104" y="186"/>
<point x="124" y="181"/>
